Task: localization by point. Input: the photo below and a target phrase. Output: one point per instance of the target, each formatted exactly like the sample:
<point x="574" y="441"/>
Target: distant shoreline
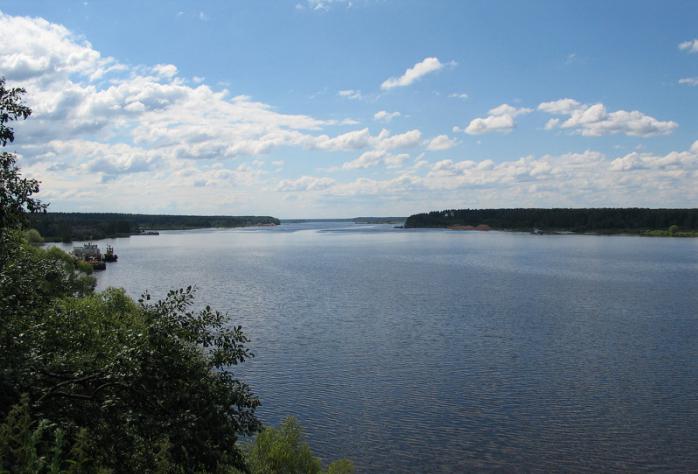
<point x="75" y="226"/>
<point x="579" y="221"/>
<point x="608" y="233"/>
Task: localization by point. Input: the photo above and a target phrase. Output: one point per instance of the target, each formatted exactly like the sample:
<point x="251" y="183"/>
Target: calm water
<point x="443" y="351"/>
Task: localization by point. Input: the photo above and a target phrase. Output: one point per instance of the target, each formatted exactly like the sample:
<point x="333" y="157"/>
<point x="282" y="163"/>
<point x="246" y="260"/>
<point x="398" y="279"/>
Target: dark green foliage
<point x="108" y="378"/>
<point x="341" y="466"/>
<point x="31" y="280"/>
<point x="15" y="192"/>
<point x="28" y="446"/>
<point x="68" y="226"/>
<point x="575" y="220"/>
<point x="133" y="373"/>
<point x="12" y="108"/>
<point x="33" y="237"/>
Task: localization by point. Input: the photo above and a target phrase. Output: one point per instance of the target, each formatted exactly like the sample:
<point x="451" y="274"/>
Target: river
<point x="445" y="351"/>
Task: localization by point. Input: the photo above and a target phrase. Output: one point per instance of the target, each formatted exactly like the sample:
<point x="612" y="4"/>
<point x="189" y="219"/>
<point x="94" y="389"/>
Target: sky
<point x="338" y="108"/>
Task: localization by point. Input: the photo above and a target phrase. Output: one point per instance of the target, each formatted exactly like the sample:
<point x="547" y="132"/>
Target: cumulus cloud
<point x="441" y="142"/>
<point x="677" y="161"/>
<point x="77" y="94"/>
<point x="500" y="119"/>
<point x="376" y="157"/>
<point x="385" y="116"/>
<point x="387" y="141"/>
<point x="690" y="46"/>
<point x="305" y="183"/>
<point x="34" y="48"/>
<point x="561" y="107"/>
<point x="165" y="70"/>
<point x="419" y="70"/>
<point x="689" y="81"/>
<point x="458" y="95"/>
<point x="589" y="178"/>
<point x="97" y="121"/>
<point x="594" y="120"/>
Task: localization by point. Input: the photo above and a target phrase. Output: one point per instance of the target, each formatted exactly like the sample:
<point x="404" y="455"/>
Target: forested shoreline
<point x="69" y="226"/>
<point x="654" y="222"/>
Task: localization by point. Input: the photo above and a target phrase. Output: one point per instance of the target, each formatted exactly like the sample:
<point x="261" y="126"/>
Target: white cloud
<point x="678" y="161"/>
<point x="588" y="178"/>
<point x="385" y="116"/>
<point x="689" y="81"/>
<point x="305" y="183"/>
<point x="351" y="94"/>
<point x="562" y="106"/>
<point x="419" y="70"/>
<point x="458" y="95"/>
<point x="325" y="5"/>
<point x="500" y="119"/>
<point x="33" y="48"/>
<point x="396" y="161"/>
<point x="97" y="121"/>
<point x="441" y="142"/>
<point x="690" y="46"/>
<point x="594" y="120"/>
<point x="366" y="160"/>
<point x="165" y="70"/>
<point x="376" y="157"/>
<point x="552" y="123"/>
<point x="386" y="141"/>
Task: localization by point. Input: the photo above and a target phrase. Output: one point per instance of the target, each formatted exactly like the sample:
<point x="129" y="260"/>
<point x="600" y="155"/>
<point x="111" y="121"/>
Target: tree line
<point x="69" y="226"/>
<point x="602" y="220"/>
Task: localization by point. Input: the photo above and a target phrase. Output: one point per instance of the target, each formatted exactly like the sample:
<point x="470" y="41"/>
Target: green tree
<point x="117" y="376"/>
<point x="15" y="192"/>
<point x="33" y="237"/>
<point x="284" y="450"/>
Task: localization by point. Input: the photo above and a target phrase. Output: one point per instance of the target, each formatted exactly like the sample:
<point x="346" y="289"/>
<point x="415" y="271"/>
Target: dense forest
<point x="599" y="220"/>
<point x="69" y="226"/>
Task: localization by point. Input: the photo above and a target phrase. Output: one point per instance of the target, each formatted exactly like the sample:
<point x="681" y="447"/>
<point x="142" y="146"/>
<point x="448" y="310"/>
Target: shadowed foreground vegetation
<point x="95" y="382"/>
<point x="593" y="220"/>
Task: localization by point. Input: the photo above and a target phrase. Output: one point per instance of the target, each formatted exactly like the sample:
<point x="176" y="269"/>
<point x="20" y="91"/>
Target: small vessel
<point x="109" y="255"/>
<point x="90" y="253"/>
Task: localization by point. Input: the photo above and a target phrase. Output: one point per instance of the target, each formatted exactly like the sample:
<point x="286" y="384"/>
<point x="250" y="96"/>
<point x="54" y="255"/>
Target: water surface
<point x="445" y="351"/>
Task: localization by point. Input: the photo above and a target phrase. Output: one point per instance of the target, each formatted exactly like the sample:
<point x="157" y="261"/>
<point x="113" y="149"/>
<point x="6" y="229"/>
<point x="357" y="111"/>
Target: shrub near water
<point x="284" y="450"/>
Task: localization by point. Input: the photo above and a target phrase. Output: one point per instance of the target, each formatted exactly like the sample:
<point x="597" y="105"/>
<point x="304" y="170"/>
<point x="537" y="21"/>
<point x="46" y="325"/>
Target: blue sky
<point x="371" y="107"/>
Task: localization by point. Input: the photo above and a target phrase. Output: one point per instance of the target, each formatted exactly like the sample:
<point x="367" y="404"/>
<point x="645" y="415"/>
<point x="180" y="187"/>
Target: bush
<point x="33" y="237"/>
<point x="284" y="450"/>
